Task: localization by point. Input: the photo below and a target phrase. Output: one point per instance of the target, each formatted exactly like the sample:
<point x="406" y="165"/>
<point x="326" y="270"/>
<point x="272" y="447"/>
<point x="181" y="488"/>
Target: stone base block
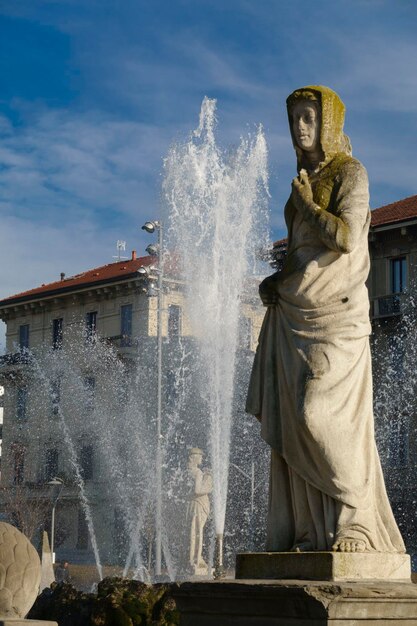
<point x="296" y="603"/>
<point x="334" y="566"/>
<point x="17" y="621"/>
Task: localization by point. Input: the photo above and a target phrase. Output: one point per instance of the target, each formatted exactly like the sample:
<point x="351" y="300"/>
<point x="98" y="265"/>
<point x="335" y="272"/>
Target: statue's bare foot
<point x="349" y="545"/>
<point x="302" y="546"/>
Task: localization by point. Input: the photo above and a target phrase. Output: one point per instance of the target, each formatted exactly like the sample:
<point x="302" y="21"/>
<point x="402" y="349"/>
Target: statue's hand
<point x="268" y="290"/>
<point x="194" y="472"/>
<point x="302" y="194"/>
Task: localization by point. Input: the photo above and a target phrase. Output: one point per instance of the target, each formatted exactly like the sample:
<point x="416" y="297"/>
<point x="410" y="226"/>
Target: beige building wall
<point x="40" y="430"/>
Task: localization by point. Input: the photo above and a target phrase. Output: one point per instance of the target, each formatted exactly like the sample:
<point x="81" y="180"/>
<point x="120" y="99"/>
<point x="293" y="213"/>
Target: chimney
<point x="133" y="255"/>
<point x="62" y="275"/>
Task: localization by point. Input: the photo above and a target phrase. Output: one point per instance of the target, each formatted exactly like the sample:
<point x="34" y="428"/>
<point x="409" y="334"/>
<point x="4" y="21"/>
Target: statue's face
<point x="306" y="125"/>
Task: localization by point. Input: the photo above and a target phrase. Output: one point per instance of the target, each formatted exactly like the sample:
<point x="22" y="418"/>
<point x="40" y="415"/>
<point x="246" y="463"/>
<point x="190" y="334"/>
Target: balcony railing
<point x="121" y="341"/>
<point x="387" y="306"/>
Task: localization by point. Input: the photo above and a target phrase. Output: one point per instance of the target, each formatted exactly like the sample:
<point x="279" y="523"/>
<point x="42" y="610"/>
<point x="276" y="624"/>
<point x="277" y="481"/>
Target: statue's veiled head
<point x="316" y="115"/>
<point x="195" y="459"/>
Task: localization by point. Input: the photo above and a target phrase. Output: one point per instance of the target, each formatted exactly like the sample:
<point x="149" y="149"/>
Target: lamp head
<point x="153" y="249"/>
<point x="55" y="481"/>
<point x="151" y="227"/>
<point x="142" y="270"/>
<point x="56" y="486"/>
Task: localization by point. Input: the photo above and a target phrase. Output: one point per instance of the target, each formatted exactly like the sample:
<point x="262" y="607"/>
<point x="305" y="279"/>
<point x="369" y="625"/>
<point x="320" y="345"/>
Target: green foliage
<point x="118" y="602"/>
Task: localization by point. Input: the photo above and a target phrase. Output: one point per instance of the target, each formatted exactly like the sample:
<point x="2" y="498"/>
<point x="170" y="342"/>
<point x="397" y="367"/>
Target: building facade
<point x="79" y="354"/>
<point x="82" y="350"/>
<point x="393" y="293"/>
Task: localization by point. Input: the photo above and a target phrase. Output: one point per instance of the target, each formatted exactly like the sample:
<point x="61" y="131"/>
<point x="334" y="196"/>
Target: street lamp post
<point x="150" y="227"/>
<point x="56" y="485"/>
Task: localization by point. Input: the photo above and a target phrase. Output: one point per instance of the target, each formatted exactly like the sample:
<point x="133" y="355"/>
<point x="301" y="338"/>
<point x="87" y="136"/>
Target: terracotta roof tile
<point x="395" y="212"/>
<point x="94" y="277"/>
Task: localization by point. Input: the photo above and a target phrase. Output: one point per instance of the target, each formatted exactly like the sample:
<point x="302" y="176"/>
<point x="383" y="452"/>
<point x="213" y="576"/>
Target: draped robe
<point x="311" y="383"/>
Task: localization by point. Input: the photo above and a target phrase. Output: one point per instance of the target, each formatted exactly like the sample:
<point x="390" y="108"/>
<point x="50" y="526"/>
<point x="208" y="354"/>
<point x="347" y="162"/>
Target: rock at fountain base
<point x="18" y="621"/>
<point x="296" y="603"/>
<point x="334" y="566"/>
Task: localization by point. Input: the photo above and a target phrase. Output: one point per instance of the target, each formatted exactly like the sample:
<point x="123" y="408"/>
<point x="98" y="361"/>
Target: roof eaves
<point x="65" y="290"/>
<point x="395" y="223"/>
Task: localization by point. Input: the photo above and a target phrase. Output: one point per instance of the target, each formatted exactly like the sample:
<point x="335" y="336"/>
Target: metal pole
<point x="158" y="524"/>
<point x="53" y="532"/>
<point x="252" y="503"/>
<point x="252" y="488"/>
<point x="57" y="484"/>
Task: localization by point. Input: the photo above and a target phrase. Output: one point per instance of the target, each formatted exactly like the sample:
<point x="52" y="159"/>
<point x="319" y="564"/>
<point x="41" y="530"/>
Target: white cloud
<point x="62" y="165"/>
<point x="379" y="74"/>
<point x="86" y="169"/>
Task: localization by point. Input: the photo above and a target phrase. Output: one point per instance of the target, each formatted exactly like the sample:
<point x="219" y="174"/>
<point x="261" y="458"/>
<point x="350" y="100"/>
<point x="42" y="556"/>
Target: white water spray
<point x="217" y="222"/>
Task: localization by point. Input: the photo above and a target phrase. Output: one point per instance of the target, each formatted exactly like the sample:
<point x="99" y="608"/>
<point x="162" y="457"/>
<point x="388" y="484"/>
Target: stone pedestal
<point x="18" y="621"/>
<point x="305" y="589"/>
<point x="321" y="566"/>
<point x="297" y="603"/>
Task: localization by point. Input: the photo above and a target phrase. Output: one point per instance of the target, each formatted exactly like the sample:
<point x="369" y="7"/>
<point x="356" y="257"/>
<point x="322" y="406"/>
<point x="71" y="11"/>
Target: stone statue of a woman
<point x="311" y="383"/>
<point x="198" y="510"/>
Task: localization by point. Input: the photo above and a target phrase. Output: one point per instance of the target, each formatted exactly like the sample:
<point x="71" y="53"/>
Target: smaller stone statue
<point x="198" y="510"/>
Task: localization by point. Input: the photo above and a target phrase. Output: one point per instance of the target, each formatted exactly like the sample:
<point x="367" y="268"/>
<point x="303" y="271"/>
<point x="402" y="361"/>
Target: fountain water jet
<point x="216" y="203"/>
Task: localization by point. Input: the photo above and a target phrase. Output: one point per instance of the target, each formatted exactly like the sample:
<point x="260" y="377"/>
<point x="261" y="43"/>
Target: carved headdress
<point x="332" y="138"/>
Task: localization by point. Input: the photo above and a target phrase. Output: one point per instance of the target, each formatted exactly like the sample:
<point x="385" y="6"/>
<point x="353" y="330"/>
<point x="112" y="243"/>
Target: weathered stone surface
<point x="20" y="572"/>
<point x="296" y="603"/>
<point x="198" y="510"/>
<point x="332" y="566"/>
<point x="24" y="622"/>
<point x="311" y="383"/>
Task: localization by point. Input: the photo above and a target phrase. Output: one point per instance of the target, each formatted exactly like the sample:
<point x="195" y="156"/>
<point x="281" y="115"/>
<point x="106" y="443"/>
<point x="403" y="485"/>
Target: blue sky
<point x="93" y="92"/>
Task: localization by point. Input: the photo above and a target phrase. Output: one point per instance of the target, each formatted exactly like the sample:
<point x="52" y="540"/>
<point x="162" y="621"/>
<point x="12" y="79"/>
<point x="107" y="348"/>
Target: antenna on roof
<point x="120" y="245"/>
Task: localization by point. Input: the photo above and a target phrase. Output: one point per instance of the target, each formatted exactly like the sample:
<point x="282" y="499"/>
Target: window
<point x="91" y="325"/>
<point x="398" y="269"/>
<point x="172" y="383"/>
<point x="398" y="441"/>
<point x="21" y="403"/>
<point x="174" y="321"/>
<point x="51" y="463"/>
<point x="90" y="393"/>
<point x="82" y="538"/>
<point x="126" y="325"/>
<point x="24" y="337"/>
<point x="55" y="395"/>
<point x="57" y="331"/>
<point x="18" y="463"/>
<point x="87" y="462"/>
